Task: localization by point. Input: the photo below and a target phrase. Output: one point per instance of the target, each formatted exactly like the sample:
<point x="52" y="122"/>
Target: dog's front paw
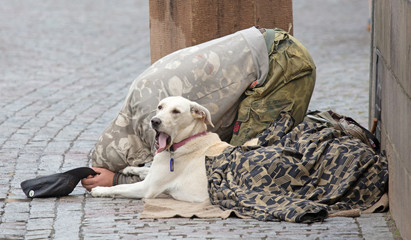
<point x="101" y="192"/>
<point x="137" y="171"/>
<point x="129" y="170"/>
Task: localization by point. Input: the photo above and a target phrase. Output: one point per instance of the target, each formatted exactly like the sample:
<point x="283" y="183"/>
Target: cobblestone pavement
<point x="65" y="67"/>
<point x="335" y="34"/>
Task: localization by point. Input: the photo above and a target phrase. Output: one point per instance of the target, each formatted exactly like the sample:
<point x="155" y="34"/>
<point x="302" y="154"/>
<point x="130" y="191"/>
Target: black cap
<point x="56" y="185"/>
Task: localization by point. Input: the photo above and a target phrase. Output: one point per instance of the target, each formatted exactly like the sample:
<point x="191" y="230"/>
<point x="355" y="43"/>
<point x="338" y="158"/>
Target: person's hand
<point x="104" y="178"/>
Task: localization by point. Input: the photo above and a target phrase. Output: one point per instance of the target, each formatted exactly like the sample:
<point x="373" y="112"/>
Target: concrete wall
<point x="390" y="100"/>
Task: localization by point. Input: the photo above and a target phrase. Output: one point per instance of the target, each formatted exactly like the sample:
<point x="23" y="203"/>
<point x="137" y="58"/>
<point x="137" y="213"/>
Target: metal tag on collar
<point x="171" y="164"/>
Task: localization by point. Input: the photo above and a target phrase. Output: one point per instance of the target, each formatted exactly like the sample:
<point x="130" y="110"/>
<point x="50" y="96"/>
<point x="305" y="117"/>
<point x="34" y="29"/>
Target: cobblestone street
<point x="65" y="69"/>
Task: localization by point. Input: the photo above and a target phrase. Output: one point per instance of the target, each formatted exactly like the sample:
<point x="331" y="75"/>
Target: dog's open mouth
<point x="162" y="141"/>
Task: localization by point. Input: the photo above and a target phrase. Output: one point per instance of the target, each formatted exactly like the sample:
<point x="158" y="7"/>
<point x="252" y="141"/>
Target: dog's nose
<point x="155" y="122"/>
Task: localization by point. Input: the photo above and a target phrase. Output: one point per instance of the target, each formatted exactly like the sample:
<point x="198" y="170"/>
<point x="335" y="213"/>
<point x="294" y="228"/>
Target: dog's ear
<point x="199" y="111"/>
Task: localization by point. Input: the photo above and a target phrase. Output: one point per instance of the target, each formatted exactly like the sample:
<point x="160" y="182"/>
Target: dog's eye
<point x="160" y="107"/>
<point x="175" y="111"/>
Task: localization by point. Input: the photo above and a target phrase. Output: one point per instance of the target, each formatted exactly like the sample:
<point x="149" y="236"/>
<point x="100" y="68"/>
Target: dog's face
<point x="176" y="119"/>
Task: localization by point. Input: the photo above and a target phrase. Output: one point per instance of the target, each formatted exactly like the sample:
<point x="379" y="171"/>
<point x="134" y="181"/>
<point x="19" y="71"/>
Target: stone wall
<point x="175" y="24"/>
<point x="390" y="99"/>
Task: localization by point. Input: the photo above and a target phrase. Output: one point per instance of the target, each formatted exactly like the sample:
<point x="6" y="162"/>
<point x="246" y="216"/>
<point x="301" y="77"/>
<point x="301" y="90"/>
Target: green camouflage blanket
<point x="297" y="174"/>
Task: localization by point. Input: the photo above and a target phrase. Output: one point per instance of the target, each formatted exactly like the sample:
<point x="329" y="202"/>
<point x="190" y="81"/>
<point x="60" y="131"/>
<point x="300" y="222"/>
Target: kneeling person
<point x="245" y="79"/>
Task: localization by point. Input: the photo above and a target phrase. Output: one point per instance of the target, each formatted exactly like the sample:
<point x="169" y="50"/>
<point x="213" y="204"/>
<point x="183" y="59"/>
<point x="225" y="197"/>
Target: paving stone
<point x="37" y="234"/>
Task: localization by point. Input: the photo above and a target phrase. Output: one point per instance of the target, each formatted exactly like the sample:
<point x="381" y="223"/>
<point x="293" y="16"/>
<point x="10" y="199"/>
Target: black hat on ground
<point x="56" y="185"/>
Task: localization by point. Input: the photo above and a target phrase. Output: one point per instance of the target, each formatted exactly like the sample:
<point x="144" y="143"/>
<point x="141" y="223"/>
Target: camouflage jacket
<point x="215" y="74"/>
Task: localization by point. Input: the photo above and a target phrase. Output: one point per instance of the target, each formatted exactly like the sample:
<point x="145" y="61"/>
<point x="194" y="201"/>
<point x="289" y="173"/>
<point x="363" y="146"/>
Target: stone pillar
<point x="390" y="100"/>
<point x="176" y="24"/>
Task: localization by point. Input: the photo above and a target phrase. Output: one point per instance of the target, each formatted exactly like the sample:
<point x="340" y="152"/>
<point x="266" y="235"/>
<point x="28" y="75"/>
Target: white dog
<point x="178" y="168"/>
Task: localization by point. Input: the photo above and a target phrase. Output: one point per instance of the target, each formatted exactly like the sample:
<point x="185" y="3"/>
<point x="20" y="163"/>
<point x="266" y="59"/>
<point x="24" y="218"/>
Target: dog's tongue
<point x="162" y="142"/>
